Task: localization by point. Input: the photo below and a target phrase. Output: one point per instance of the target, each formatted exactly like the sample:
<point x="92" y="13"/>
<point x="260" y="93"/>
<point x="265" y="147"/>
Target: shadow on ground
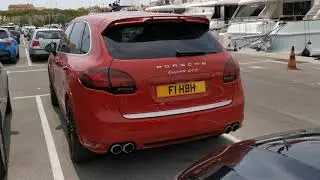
<point x="7" y="133"/>
<point x="152" y="164"/>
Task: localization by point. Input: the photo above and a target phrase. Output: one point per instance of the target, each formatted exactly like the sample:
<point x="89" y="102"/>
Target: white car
<point x="40" y="38"/>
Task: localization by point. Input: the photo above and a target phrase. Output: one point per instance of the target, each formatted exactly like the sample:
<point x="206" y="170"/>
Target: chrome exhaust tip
<point x="228" y="129"/>
<point x="235" y="126"/>
<point x="128" y="148"/>
<point x="116" y="149"/>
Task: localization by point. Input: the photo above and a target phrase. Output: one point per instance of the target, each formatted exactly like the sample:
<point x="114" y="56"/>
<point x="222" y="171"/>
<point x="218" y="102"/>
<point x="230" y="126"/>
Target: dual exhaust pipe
<point x="130" y="147"/>
<point x="119" y="148"/>
<point x="232" y="127"/>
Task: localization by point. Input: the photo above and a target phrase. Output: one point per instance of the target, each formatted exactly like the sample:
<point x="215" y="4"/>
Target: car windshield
<point x="3" y="34"/>
<point x="158" y="40"/>
<point x="48" y="35"/>
<point x="251" y="10"/>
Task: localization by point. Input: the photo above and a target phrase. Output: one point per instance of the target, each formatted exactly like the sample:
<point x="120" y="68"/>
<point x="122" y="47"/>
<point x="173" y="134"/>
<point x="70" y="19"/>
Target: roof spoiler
<point x="159" y="18"/>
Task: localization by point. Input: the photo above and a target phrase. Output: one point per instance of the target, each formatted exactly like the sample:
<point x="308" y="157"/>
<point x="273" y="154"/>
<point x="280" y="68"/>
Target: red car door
<point x="3" y="91"/>
<point x="62" y="60"/>
<point x="59" y="63"/>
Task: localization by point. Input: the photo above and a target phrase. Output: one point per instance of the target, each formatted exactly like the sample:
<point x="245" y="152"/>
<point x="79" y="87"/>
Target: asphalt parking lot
<point x="276" y="100"/>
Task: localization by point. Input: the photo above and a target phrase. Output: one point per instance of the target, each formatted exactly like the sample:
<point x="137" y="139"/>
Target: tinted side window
<point x="295" y="10"/>
<point x="217" y="13"/>
<point x="3" y="34"/>
<point x="85" y="40"/>
<point x="48" y="35"/>
<point x="75" y="38"/>
<point x="63" y="45"/>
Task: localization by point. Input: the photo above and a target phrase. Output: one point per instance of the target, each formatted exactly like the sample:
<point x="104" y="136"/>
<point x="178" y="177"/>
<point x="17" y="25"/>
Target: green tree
<point x="41" y="17"/>
<point x="24" y="20"/>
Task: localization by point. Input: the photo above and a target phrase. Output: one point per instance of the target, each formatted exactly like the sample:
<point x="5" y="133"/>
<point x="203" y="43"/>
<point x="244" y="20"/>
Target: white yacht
<point x="168" y="8"/>
<point x="275" y="25"/>
<point x="219" y="12"/>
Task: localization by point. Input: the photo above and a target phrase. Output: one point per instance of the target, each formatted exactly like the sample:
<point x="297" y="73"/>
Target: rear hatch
<point x="5" y="43"/>
<point x="43" y="38"/>
<point x="173" y="63"/>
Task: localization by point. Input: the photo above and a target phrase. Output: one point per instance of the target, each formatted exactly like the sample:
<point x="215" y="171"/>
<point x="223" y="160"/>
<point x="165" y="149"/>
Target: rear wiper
<point x="191" y="53"/>
<point x="286" y="145"/>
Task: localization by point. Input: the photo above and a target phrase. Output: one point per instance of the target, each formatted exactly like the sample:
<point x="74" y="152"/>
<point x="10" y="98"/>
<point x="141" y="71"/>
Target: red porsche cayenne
<point x="133" y="80"/>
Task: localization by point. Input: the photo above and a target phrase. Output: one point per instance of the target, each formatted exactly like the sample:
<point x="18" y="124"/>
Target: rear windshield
<point x="159" y="40"/>
<point x="12" y="28"/>
<point x="49" y="35"/>
<point x="3" y="34"/>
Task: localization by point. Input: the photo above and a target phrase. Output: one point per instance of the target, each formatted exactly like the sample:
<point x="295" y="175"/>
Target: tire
<point x="9" y="107"/>
<point x="13" y="60"/>
<point x="78" y="153"/>
<point x="18" y="55"/>
<point x="33" y="58"/>
<point x="54" y="99"/>
<point x="3" y="161"/>
<point x="3" y="156"/>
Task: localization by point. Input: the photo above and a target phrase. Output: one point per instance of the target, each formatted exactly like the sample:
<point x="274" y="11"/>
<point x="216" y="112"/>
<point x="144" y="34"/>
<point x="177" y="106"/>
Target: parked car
<point x="29" y="30"/>
<point x="30" y="34"/>
<point x="9" y="47"/>
<point x="288" y="155"/>
<point x="40" y="39"/>
<point x="142" y="80"/>
<point x="5" y="109"/>
<point x="15" y="34"/>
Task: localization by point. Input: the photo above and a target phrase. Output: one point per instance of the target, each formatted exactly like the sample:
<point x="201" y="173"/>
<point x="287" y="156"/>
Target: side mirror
<point x="51" y="48"/>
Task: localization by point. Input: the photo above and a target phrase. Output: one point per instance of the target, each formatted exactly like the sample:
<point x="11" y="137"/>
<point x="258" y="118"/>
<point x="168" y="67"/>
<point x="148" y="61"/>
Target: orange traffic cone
<point x="292" y="60"/>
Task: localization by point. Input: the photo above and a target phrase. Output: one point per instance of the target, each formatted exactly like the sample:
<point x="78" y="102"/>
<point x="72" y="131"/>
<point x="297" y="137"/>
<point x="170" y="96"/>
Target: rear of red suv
<point x="159" y="81"/>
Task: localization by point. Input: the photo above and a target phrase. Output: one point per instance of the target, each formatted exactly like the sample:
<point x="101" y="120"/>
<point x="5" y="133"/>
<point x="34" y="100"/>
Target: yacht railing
<point x="280" y="18"/>
<point x="295" y="17"/>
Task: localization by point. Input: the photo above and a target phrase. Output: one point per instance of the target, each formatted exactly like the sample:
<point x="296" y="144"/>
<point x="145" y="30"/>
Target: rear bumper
<point x="5" y="55"/>
<point x="101" y="123"/>
<point x="38" y="52"/>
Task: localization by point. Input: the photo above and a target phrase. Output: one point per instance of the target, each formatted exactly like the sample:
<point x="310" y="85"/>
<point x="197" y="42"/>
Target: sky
<point x="65" y="4"/>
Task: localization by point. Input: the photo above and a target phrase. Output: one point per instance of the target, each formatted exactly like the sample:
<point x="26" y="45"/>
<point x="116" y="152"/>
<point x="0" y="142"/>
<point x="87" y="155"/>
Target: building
<point x="40" y="8"/>
<point x="20" y="6"/>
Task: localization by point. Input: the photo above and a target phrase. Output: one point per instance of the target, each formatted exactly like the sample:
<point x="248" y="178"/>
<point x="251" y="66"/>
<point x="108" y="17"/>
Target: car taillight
<point x="231" y="71"/>
<point x="109" y="80"/>
<point x="7" y="42"/>
<point x="35" y="43"/>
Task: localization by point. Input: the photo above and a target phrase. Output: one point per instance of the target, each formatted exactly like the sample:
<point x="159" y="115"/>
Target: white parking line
<point x="231" y="138"/>
<point x="279" y="62"/>
<point x="28" y="57"/>
<point x="255" y="62"/>
<point x="23" y="71"/>
<point x="27" y="66"/>
<point x="257" y="67"/>
<point x="53" y="155"/>
<point x="26" y="97"/>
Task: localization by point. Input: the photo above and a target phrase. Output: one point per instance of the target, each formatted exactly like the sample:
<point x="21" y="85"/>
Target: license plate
<point x="179" y="89"/>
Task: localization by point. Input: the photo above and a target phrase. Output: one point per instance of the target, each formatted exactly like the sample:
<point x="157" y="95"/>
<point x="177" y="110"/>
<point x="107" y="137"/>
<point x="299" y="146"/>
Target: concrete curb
<point x="278" y="55"/>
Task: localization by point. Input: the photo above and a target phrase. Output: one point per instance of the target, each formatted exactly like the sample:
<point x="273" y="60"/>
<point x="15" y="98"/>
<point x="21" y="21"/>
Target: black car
<point x="5" y="109"/>
<point x="16" y="35"/>
<point x="30" y="33"/>
<point x="293" y="155"/>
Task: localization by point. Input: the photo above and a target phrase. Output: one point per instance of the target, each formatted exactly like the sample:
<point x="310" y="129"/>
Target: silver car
<point x="40" y="39"/>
